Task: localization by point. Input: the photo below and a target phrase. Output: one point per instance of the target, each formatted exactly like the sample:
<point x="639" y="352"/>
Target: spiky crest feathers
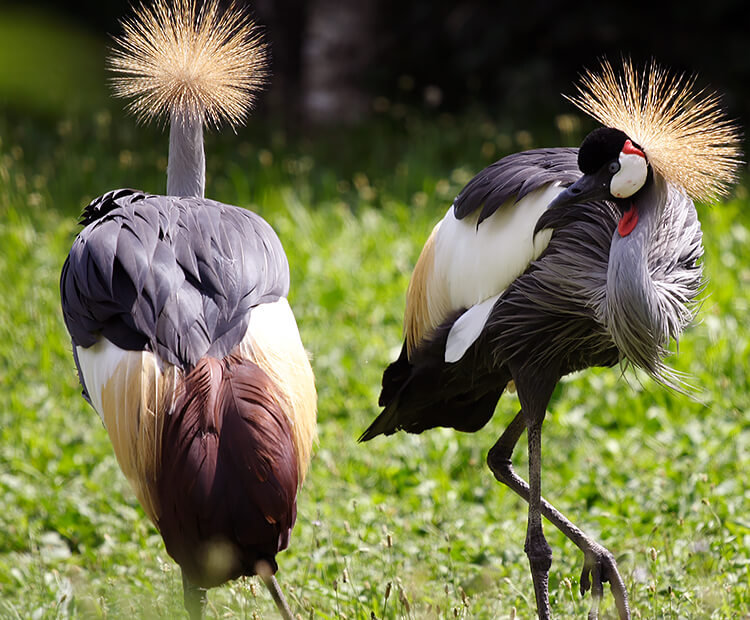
<point x="684" y="132"/>
<point x="180" y="60"/>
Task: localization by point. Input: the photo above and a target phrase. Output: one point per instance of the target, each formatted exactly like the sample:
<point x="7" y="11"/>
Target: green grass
<point x="661" y="479"/>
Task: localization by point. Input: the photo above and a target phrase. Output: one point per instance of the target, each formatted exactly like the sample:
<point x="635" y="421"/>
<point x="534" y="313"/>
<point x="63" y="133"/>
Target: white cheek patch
<point x="631" y="176"/>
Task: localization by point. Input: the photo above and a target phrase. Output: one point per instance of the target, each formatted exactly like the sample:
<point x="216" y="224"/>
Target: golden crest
<point x="684" y="132"/>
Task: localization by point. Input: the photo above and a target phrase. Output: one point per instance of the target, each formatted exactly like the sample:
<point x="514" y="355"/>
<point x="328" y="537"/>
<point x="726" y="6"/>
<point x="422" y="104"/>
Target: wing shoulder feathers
<point x="486" y="240"/>
<point x="177" y="276"/>
<point x="229" y="479"/>
<point x="184" y="440"/>
<point x="513" y="177"/>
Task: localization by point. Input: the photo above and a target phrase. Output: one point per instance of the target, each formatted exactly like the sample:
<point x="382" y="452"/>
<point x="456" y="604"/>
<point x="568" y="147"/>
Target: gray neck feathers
<point x="186" y="170"/>
<point x="634" y="313"/>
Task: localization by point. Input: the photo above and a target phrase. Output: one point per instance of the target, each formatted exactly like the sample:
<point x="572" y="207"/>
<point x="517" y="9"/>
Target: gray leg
<point x="195" y="599"/>
<point x="536" y="547"/>
<point x="599" y="564"/>
<point x="265" y="572"/>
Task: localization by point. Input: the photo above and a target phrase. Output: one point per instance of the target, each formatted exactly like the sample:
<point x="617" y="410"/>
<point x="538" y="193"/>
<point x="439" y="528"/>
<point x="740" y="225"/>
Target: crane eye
<point x="614" y="167"/>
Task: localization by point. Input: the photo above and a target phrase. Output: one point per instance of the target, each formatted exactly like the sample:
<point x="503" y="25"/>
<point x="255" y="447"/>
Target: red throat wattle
<point x="628" y="221"/>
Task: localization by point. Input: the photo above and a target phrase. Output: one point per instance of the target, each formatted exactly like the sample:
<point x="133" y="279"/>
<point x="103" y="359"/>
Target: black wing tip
<point x="374" y="431"/>
<point x="377" y="427"/>
<point x="366" y="436"/>
<point x="384" y="424"/>
<point x="371" y="432"/>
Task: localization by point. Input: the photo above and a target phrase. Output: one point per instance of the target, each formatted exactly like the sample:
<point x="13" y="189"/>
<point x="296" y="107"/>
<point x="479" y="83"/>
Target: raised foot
<point x="600" y="567"/>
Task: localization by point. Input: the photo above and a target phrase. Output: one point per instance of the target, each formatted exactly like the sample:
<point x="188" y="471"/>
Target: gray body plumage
<point x="175" y="276"/>
<point x="579" y="304"/>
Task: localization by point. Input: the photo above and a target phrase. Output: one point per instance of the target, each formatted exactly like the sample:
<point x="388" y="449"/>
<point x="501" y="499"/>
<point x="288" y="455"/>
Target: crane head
<point x="614" y="167"/>
<point x="189" y="60"/>
<point x="686" y="136"/>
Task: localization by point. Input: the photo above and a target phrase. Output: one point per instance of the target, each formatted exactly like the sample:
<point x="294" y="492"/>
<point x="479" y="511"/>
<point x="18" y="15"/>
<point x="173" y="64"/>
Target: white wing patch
<point x="132" y="391"/>
<point x="473" y="266"/>
<point x="478" y="263"/>
<point x="467" y="328"/>
<point x="98" y="363"/>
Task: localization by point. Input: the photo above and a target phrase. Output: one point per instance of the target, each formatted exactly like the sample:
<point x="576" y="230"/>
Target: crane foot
<point x="600" y="567"/>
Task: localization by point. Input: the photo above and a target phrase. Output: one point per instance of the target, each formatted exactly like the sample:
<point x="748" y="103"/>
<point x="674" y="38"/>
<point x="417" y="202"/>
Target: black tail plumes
<point x="424" y="393"/>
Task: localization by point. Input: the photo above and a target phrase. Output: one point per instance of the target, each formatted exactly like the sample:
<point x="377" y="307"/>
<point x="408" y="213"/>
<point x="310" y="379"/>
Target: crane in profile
<point x="554" y="260"/>
<point x="176" y="305"/>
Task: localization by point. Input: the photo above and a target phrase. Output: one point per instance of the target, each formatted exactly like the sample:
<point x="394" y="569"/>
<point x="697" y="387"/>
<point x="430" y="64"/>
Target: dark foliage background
<point x="512" y="58"/>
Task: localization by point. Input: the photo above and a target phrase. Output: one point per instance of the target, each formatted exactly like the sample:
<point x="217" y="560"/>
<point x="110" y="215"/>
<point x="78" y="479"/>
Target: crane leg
<point x="195" y="599"/>
<point x="264" y="571"/>
<point x="599" y="565"/>
<point x="536" y="547"/>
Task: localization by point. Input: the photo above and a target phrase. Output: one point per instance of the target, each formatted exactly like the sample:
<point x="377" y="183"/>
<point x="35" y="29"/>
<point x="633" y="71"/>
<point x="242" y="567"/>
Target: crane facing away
<point x="176" y="305"/>
<point x="555" y="260"/>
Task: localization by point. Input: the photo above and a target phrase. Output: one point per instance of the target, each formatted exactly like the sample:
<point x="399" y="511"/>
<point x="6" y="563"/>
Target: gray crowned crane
<point x="176" y="305"/>
<point x="554" y="260"/>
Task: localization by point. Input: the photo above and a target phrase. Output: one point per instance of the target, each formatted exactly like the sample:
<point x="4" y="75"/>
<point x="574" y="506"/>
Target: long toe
<point x="597" y="589"/>
<point x="599" y="567"/>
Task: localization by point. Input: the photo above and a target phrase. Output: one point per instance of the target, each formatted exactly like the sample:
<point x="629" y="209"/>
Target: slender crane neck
<point x="186" y="170"/>
<point x="633" y="300"/>
<point x="641" y="216"/>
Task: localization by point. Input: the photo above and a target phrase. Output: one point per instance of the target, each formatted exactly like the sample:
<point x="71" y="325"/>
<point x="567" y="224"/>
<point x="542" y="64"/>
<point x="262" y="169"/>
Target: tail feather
<point x="426" y="392"/>
<point x="394" y="377"/>
<point x="228" y="481"/>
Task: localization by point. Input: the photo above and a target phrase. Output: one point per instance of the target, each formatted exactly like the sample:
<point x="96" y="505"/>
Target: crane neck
<point x="186" y="169"/>
<point x="641" y="216"/>
<point x="633" y="311"/>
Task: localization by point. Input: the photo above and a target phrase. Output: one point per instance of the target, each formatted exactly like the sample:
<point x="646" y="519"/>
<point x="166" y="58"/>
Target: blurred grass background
<point x="402" y="527"/>
<point x="49" y="63"/>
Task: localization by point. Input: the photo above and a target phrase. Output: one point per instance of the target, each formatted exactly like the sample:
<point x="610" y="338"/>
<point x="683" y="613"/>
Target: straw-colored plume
<point x="182" y="61"/>
<point x="683" y="131"/>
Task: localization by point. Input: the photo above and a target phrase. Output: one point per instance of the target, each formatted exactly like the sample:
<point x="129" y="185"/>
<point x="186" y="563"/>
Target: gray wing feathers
<point x="178" y="276"/>
<point x="513" y="177"/>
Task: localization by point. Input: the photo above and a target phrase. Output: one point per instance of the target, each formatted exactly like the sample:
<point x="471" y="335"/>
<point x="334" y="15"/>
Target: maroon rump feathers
<point x="228" y="481"/>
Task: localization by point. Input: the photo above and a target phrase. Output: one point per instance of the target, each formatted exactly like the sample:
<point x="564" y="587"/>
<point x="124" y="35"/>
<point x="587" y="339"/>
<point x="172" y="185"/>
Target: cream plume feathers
<point x="683" y="131"/>
<point x="177" y="60"/>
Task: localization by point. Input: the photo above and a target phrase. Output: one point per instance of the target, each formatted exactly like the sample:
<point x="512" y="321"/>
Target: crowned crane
<point x="176" y="305"/>
<point x="554" y="260"/>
